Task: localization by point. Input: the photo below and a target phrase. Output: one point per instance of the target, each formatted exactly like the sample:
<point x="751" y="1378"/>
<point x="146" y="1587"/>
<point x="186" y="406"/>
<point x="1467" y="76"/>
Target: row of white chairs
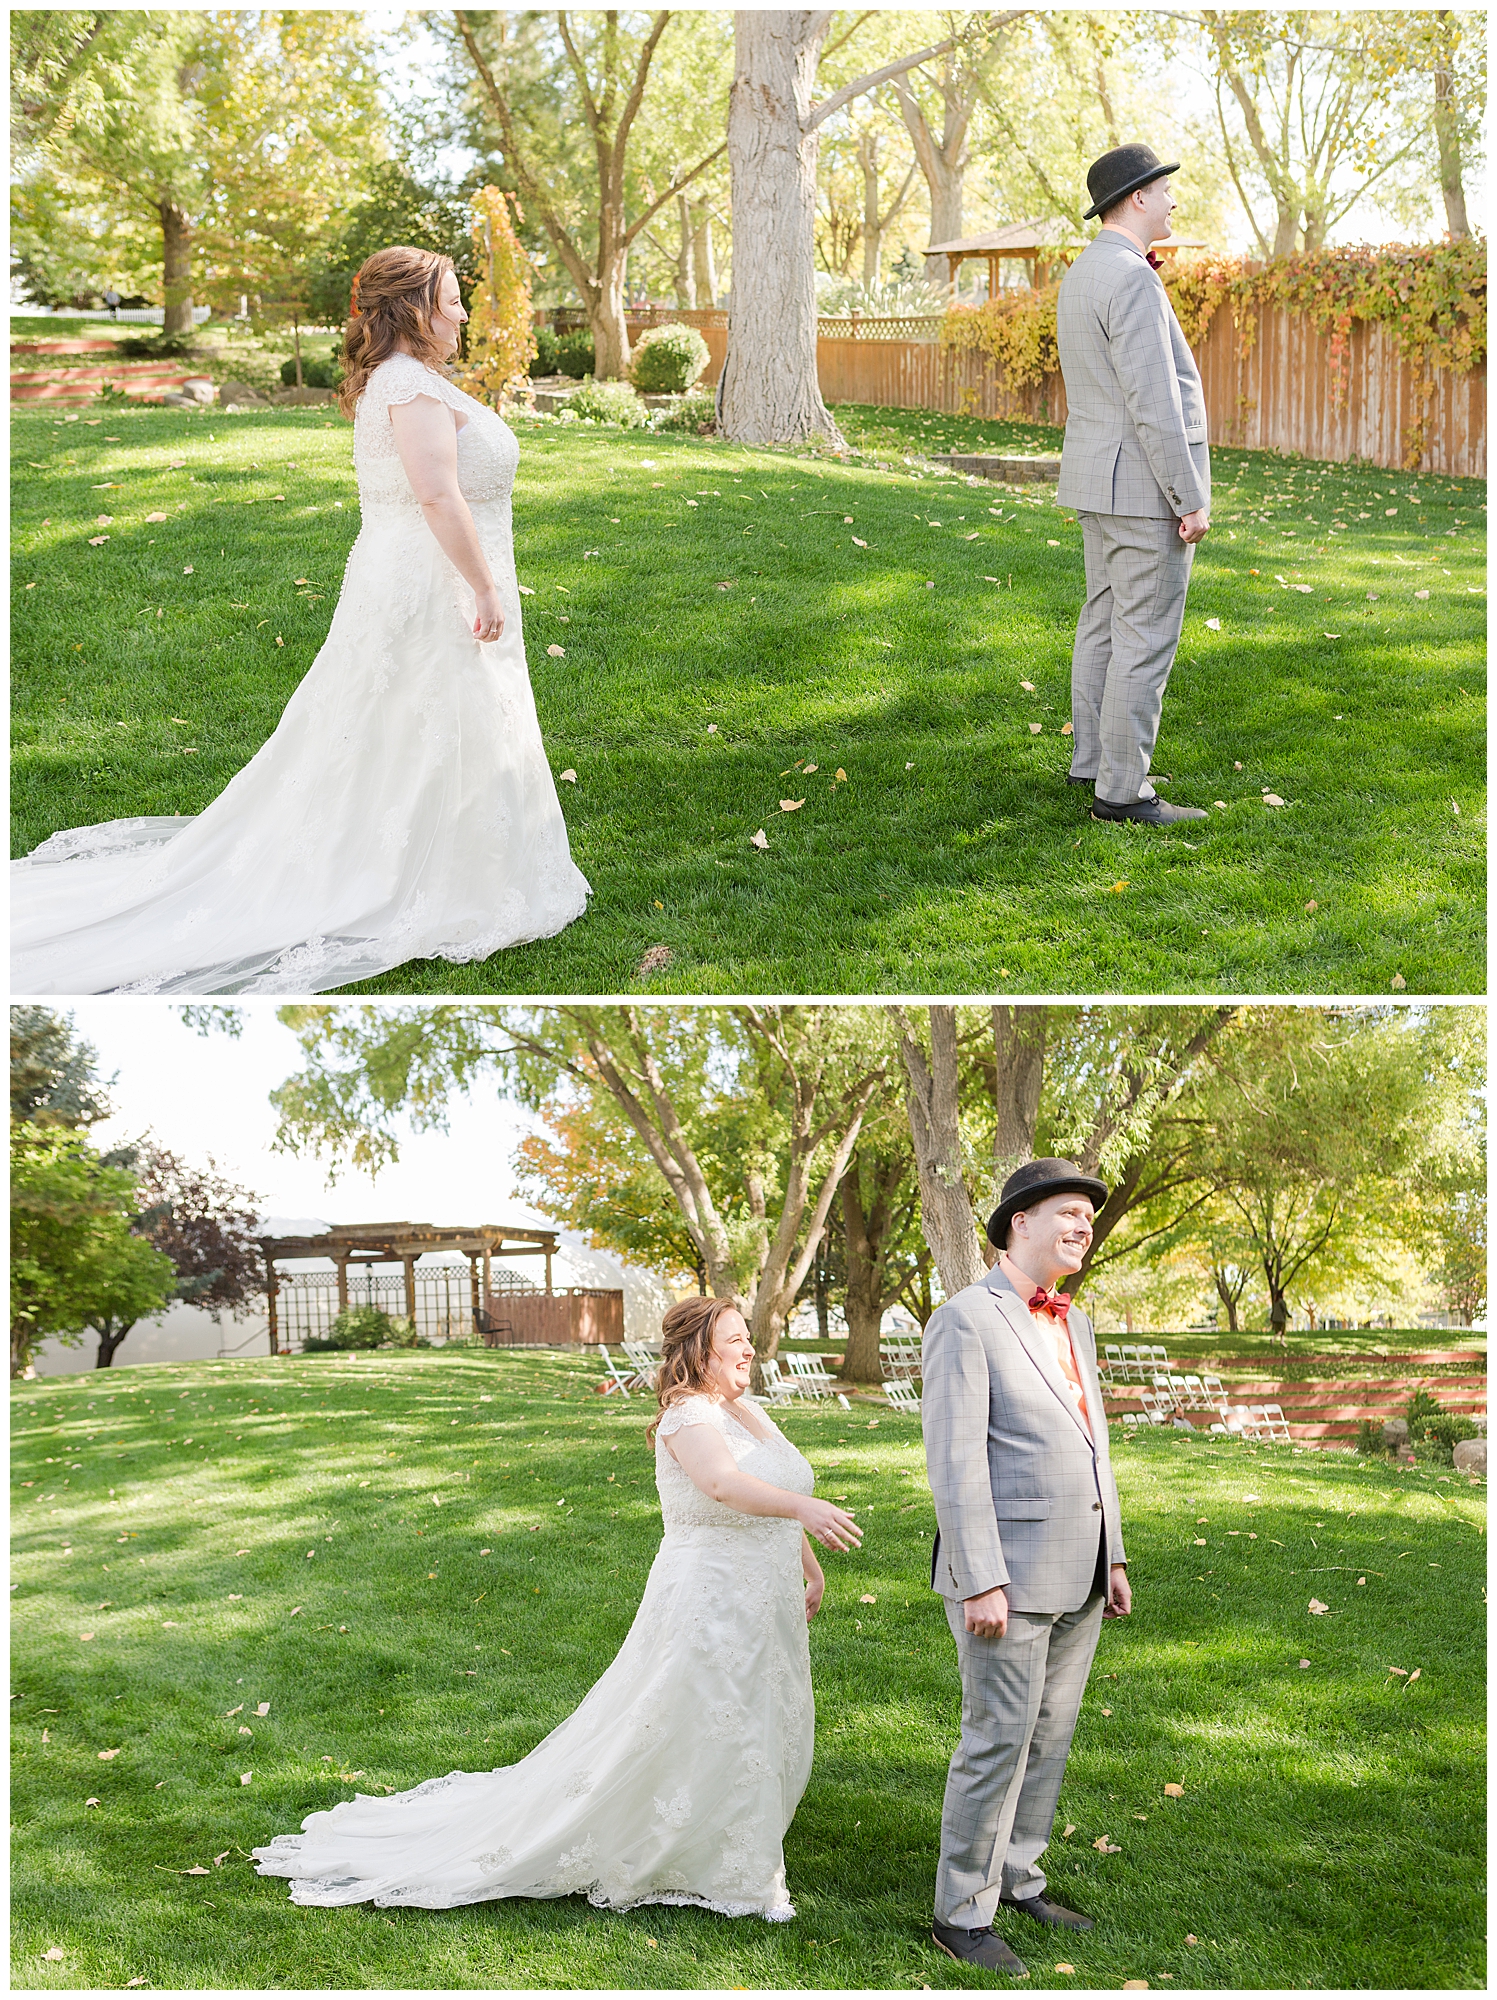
<point x="1265" y="1423"/>
<point x="805" y="1379"/>
<point x="899" y="1357"/>
<point x="1130" y="1364"/>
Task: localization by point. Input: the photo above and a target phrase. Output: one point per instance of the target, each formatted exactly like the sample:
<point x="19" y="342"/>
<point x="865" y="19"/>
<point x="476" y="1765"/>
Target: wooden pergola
<point x="356" y="1243"/>
<point x="1033" y="244"/>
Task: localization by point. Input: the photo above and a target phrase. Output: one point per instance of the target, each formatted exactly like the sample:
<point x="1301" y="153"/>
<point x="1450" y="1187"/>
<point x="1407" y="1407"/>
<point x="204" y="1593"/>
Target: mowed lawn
<point x="196" y="1542"/>
<point x="867" y="661"/>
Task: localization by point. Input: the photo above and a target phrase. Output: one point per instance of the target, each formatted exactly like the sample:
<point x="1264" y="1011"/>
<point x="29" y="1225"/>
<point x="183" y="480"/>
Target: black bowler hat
<point x="1034" y="1183"/>
<point x="1119" y="172"/>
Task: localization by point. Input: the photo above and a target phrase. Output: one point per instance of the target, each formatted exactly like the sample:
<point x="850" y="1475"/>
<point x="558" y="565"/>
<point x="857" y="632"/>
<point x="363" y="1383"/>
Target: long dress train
<point x="403" y="808"/>
<point x="675" y="1778"/>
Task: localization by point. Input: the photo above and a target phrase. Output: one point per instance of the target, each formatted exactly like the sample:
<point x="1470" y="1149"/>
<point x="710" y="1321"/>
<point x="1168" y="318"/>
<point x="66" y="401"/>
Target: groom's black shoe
<point x="1072" y="779"/>
<point x="983" y="1948"/>
<point x="1044" y="1911"/>
<point x="1146" y="812"/>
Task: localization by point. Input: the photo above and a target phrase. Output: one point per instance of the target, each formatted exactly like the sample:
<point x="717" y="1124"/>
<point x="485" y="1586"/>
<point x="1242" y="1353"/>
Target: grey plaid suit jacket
<point x="1021" y="1491"/>
<point x="1136" y="423"/>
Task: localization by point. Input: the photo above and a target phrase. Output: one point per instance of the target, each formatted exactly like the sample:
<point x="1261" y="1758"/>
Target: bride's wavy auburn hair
<point x="686" y="1336"/>
<point x="394" y="297"/>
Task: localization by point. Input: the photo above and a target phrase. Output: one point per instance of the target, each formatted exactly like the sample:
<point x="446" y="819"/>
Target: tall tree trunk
<point x="685" y="272"/>
<point x="704" y="262"/>
<point x="933" y="1101"/>
<point x="1229" y="1295"/>
<point x="1448" y="138"/>
<point x="1019" y="1071"/>
<point x="865" y="1231"/>
<point x="873" y="235"/>
<point x="176" y="242"/>
<point x="110" y="1341"/>
<point x="769" y="392"/>
<point x="605" y="315"/>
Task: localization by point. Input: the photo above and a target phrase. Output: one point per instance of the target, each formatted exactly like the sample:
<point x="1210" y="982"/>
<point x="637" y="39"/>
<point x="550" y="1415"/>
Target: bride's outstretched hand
<point x="832" y="1526"/>
<point x="488" y="624"/>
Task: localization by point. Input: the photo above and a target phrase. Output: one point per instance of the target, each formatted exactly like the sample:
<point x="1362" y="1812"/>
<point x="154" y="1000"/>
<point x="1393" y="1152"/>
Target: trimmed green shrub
<point x="544" y="362"/>
<point x="318" y="371"/>
<point x="696" y="413"/>
<point x="609" y="403"/>
<point x="1439" y="1436"/>
<point x="1370" y="1438"/>
<point x="574" y="354"/>
<point x="668" y="359"/>
<point x="364" y="1328"/>
<point x="1420" y="1406"/>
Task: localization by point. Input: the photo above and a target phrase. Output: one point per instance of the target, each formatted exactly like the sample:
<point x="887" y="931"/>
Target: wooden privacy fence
<point x="580" y="1317"/>
<point x="1272" y="393"/>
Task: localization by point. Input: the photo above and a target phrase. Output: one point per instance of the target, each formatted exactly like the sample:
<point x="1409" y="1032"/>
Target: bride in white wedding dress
<point x="404" y="807"/>
<point x="676" y="1777"/>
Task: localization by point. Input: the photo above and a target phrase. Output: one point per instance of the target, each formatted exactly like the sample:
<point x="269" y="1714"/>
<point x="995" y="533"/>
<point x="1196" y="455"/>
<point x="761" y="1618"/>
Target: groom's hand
<point x="987" y="1616"/>
<point x="1195" y="527"/>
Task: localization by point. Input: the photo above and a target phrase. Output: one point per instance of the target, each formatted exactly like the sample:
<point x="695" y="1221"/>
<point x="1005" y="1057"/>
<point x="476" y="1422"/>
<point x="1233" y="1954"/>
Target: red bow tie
<point x="1057" y="1304"/>
<point x="1155" y="263"/>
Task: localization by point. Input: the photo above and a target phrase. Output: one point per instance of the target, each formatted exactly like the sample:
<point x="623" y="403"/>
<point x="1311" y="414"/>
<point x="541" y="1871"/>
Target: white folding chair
<point x="616" y="1377"/>
<point x="1277" y="1422"/>
<point x="1193" y="1392"/>
<point x="1132" y="1366"/>
<point x="1130" y="1420"/>
<point x="1216" y="1394"/>
<point x="809" y="1376"/>
<point x="645" y="1362"/>
<point x="900" y="1395"/>
<point x="776" y="1388"/>
<point x="1112" y="1363"/>
<point x="1167" y="1385"/>
<point x="1157" y="1355"/>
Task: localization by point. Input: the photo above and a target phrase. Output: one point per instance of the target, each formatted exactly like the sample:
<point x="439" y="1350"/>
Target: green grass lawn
<point x="729" y="644"/>
<point x="1330" y="1832"/>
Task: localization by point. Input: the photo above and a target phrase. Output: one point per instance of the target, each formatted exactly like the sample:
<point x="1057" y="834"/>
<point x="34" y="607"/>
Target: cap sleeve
<point x="690" y="1410"/>
<point x="401" y="378"/>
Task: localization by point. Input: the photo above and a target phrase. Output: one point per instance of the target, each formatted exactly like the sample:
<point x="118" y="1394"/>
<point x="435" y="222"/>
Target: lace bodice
<point x="488" y="451"/>
<point x="775" y="1459"/>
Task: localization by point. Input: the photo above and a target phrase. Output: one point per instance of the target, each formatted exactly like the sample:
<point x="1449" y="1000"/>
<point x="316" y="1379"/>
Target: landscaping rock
<point x="1015" y="471"/>
<point x="199" y="388"/>
<point x="1395" y="1432"/>
<point x="175" y="400"/>
<point x="239" y="392"/>
<point x="301" y="396"/>
<point x="1471" y="1456"/>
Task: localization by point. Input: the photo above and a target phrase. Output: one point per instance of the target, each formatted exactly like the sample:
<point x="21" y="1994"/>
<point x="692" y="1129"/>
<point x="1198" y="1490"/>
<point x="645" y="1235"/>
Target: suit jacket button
<point x="1096" y="1506"/>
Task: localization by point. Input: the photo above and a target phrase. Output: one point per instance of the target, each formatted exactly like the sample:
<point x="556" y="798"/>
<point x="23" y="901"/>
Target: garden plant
<point x="244" y="1591"/>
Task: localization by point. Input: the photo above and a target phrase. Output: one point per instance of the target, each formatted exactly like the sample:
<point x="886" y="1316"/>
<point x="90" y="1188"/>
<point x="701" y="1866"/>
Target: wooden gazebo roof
<point x="393" y="1242"/>
<point x="1038" y="244"/>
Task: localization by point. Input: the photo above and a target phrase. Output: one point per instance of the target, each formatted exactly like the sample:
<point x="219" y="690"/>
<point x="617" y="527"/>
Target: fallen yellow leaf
<point x="557" y="652"/>
<point x="1174" y="1791"/>
<point x="759" y="839"/>
<point x="1117" y="888"/>
<point x="1036" y="728"/>
<point x="791" y="805"/>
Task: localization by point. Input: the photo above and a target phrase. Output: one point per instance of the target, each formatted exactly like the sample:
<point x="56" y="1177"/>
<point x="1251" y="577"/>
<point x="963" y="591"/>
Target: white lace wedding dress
<point x="404" y="807"/>
<point x="672" y="1782"/>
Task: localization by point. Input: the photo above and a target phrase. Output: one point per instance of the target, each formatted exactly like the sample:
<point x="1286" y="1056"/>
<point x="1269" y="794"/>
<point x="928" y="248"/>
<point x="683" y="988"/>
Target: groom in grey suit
<point x="1029" y="1550"/>
<point x="1136" y="469"/>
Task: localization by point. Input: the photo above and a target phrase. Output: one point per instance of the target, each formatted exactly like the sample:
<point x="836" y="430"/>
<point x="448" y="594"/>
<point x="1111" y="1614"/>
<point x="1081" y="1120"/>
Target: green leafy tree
<point x="54" y="1076"/>
<point x="1317" y="1127"/>
<point x="74" y="1248"/>
<point x="749" y="1114"/>
<point x="576" y="119"/>
<point x="237" y="136"/>
<point x="396" y="207"/>
<point x="206" y="1225"/>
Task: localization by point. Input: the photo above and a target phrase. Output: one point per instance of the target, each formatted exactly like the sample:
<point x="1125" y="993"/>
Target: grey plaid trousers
<point x="1137" y="574"/>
